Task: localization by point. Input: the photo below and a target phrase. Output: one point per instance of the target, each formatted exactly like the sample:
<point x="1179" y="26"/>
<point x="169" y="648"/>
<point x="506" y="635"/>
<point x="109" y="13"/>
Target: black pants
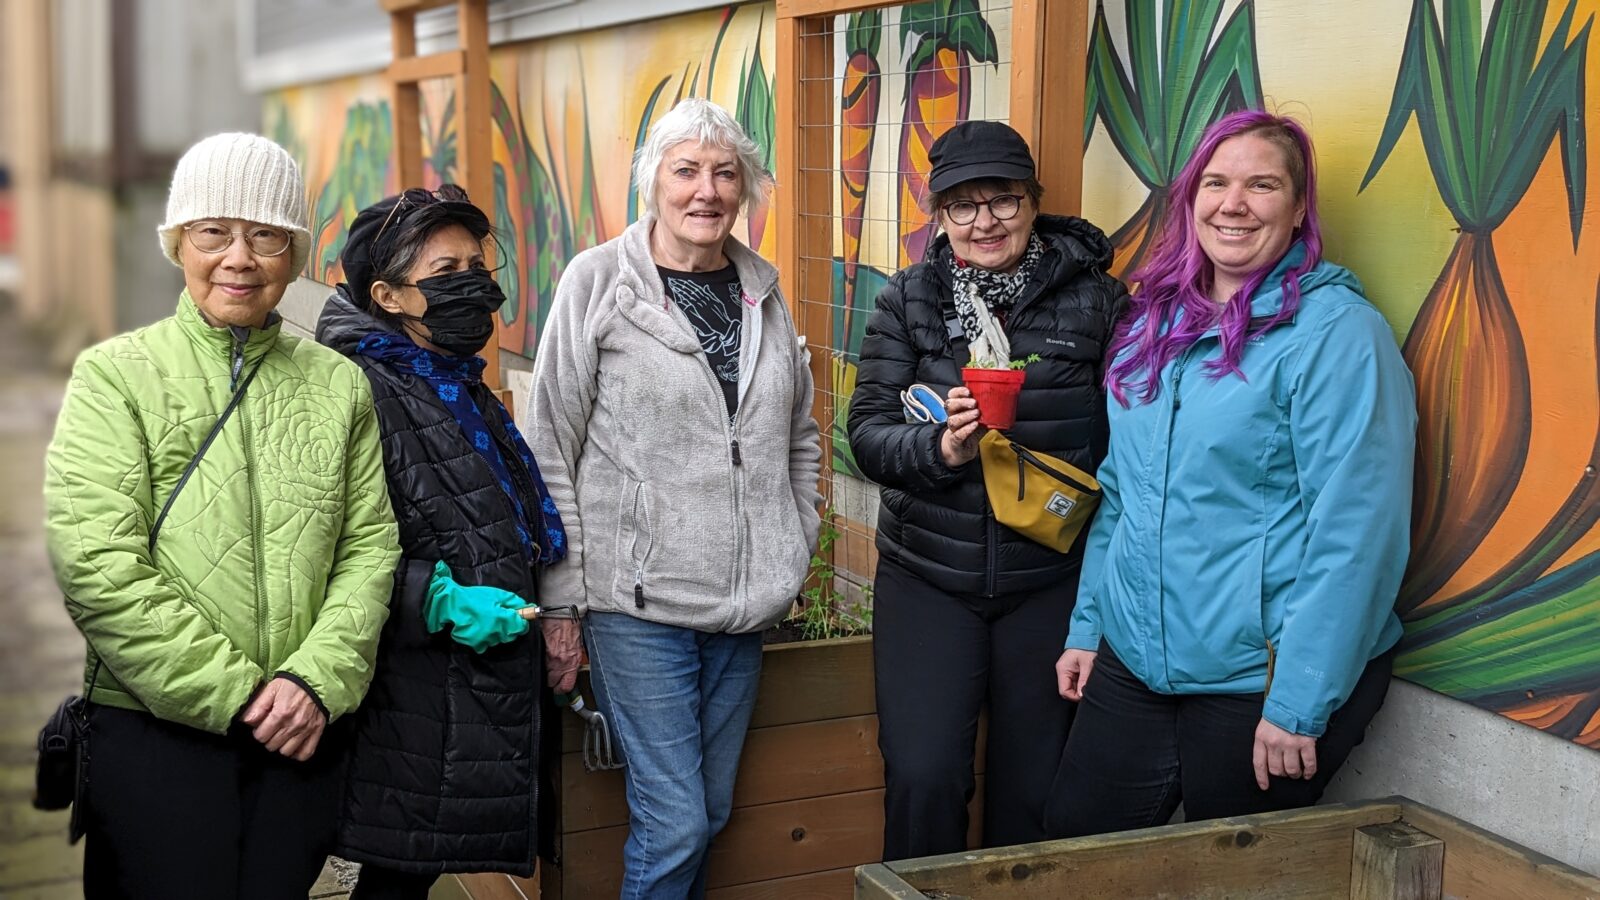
<point x="176" y="813"/>
<point x="377" y="883"/>
<point x="939" y="658"/>
<point x="1136" y="754"/>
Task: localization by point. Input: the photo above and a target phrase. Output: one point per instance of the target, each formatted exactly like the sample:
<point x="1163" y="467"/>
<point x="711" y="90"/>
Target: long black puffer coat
<point x="934" y="520"/>
<point x="444" y="769"/>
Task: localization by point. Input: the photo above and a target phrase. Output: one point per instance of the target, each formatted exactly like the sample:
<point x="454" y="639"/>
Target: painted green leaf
<point x="864" y="33"/>
<point x="645" y="118"/>
<point x="509" y="274"/>
<point x="959" y="25"/>
<point x="1487" y="114"/>
<point x="1544" y="639"/>
<point x="756" y="112"/>
<point x="1180" y="74"/>
<point x="1187" y="29"/>
<point x="441" y="148"/>
<point x="359" y="176"/>
<point x="1144" y="62"/>
<point x="1119" y="107"/>
<point x="1228" y="80"/>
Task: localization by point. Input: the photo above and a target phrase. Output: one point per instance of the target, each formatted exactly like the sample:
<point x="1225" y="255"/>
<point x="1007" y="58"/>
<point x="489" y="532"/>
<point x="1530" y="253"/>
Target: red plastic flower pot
<point x="996" y="392"/>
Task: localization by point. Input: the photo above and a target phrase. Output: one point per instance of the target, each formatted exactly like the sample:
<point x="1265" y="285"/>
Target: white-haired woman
<point x="671" y="413"/>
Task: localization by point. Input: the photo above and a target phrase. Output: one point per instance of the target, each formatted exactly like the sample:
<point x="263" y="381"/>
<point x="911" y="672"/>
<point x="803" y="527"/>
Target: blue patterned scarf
<point x="451" y="378"/>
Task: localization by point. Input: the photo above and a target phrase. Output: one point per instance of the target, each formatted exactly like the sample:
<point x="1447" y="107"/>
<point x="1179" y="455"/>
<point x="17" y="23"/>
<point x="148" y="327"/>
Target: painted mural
<point x="566" y="119"/>
<point x="1462" y="204"/>
<point x="1454" y="160"/>
<point x="905" y="76"/>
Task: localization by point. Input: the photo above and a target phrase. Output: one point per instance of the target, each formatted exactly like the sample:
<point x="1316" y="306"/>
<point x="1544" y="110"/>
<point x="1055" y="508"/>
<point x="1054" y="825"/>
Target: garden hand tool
<point x="598" y="752"/>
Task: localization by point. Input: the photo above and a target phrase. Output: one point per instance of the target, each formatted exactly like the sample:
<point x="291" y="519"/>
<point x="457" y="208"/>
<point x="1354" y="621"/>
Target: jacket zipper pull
<point x="737" y="459"/>
<point x="638" y="594"/>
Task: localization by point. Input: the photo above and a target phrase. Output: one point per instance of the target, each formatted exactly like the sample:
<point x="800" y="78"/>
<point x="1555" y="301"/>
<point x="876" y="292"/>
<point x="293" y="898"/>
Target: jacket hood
<point x="1072" y="245"/>
<point x="1268" y="298"/>
<point x="343" y="324"/>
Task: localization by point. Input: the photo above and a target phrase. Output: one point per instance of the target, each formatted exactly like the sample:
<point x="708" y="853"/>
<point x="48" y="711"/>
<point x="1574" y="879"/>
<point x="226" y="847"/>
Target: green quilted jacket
<point x="279" y="554"/>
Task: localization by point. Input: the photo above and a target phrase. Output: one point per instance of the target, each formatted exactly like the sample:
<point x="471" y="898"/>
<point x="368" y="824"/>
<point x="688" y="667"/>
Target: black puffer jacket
<point x="935" y="520"/>
<point x="444" y="771"/>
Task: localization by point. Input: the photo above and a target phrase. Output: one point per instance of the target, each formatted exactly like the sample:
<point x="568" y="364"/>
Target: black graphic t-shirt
<point x="713" y="301"/>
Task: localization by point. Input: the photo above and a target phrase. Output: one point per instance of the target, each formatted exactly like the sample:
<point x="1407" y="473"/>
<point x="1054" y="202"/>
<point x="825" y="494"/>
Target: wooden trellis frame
<point x="468" y="67"/>
<point x="1049" y="45"/>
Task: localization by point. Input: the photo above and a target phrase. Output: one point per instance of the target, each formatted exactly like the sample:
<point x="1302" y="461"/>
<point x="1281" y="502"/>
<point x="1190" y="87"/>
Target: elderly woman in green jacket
<point x="221" y="647"/>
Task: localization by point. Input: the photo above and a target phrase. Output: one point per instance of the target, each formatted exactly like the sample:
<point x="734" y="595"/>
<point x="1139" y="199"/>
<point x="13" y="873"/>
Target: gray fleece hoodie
<point x="673" y="513"/>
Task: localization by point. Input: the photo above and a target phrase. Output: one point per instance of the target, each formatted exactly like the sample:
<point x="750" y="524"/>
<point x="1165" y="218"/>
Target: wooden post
<point x="1049" y="42"/>
<point x="468" y="69"/>
<point x="805" y="178"/>
<point x="406" y="101"/>
<point x="1396" y="861"/>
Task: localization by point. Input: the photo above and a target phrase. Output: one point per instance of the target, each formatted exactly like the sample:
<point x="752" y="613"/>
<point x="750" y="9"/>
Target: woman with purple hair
<point x="1235" y="629"/>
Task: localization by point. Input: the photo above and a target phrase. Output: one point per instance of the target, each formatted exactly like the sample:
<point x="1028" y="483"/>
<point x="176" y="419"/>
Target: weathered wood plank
<point x="812" y="680"/>
<point x="800" y="682"/>
<point x="479" y="886"/>
<point x="1304" y="855"/>
<point x="412" y="69"/>
<point x="815" y="886"/>
<point x="1479" y="865"/>
<point x="1396" y="861"/>
<point x="877" y="882"/>
<point x="785" y="762"/>
<point x="761" y="843"/>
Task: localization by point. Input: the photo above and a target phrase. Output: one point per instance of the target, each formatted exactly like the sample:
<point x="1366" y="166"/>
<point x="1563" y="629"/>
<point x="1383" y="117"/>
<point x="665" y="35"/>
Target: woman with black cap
<point x="445" y="768"/>
<point x="969" y="613"/>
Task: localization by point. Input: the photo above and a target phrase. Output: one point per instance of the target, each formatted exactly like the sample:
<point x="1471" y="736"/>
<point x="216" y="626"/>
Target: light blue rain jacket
<point x="1266" y="510"/>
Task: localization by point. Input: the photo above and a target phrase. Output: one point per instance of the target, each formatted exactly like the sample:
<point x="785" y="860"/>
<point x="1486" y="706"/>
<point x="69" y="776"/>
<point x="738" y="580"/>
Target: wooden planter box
<point x="1390" y="849"/>
<point x="808" y="804"/>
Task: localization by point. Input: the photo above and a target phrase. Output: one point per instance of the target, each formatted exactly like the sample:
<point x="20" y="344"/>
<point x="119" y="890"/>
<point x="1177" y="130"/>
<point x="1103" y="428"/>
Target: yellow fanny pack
<point x="1038" y="496"/>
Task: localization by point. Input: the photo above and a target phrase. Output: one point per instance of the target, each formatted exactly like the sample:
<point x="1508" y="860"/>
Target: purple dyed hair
<point x="1178" y="273"/>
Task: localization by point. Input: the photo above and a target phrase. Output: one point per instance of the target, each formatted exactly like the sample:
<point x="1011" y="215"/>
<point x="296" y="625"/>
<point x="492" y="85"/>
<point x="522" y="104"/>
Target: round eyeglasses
<point x="214" y="237"/>
<point x="1001" y="206"/>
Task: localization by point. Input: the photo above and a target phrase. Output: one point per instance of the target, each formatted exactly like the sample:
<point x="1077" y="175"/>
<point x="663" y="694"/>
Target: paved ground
<point x="41" y="654"/>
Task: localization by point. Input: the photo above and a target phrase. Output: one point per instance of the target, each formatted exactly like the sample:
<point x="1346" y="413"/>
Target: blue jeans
<point x="679" y="701"/>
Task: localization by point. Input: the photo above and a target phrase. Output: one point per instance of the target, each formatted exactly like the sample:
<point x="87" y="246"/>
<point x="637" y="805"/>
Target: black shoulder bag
<point x="62" y="769"/>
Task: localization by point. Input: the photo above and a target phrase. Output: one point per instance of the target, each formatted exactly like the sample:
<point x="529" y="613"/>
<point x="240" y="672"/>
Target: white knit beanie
<point x="238" y="176"/>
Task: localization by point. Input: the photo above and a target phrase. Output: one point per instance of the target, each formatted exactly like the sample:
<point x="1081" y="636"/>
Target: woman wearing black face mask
<point x="444" y="773"/>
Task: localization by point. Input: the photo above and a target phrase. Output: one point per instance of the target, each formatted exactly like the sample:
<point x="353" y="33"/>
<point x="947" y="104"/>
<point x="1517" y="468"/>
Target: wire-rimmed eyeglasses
<point x="211" y="236"/>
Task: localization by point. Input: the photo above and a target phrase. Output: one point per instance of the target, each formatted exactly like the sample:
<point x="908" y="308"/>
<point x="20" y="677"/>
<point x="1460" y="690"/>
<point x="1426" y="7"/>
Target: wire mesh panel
<point x="873" y="90"/>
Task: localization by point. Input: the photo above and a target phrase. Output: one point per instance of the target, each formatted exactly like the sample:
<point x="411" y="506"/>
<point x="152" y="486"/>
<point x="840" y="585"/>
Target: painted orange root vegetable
<point x="937" y="96"/>
<point x="1474" y="415"/>
<point x="863" y="85"/>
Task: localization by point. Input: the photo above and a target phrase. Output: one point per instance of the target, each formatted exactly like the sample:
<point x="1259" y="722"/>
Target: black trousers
<point x="940" y="658"/>
<point x="175" y="813"/>
<point x="1135" y="754"/>
<point x="377" y="883"/>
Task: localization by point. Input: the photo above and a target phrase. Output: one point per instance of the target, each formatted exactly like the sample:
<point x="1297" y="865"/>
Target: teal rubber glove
<point x="479" y="617"/>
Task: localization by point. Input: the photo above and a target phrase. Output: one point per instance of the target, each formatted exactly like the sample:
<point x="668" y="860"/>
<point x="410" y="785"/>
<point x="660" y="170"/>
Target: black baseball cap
<point x="978" y="149"/>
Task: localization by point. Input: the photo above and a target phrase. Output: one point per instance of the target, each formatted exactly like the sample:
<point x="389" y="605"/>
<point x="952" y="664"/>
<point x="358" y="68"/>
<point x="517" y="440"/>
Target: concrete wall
<point x="1525" y="785"/>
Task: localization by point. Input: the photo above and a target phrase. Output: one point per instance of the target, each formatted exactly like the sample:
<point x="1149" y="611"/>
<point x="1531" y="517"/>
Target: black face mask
<point x="461" y="308"/>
